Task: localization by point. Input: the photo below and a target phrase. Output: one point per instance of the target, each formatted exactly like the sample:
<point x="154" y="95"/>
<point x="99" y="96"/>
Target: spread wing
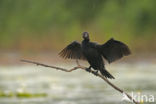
<point x="72" y="51"/>
<point x="113" y="50"/>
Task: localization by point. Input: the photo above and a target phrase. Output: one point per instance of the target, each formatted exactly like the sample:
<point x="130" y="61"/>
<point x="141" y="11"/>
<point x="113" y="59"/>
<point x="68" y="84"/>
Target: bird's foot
<point x="88" y="70"/>
<point x="95" y="73"/>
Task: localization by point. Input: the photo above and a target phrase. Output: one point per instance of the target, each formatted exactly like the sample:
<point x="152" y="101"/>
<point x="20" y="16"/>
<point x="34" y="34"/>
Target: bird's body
<point x="94" y="53"/>
<point x="93" y="56"/>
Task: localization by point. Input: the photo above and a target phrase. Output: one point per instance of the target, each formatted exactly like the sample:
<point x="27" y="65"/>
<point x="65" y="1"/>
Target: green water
<point x="41" y="85"/>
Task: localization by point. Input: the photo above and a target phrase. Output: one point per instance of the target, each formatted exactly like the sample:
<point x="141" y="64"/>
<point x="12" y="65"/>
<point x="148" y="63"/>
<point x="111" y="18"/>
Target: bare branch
<point x="54" y="67"/>
<point x="83" y="68"/>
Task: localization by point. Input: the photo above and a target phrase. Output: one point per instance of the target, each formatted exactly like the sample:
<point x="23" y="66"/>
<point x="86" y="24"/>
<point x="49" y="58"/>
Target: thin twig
<point x="84" y="68"/>
<point x="54" y="67"/>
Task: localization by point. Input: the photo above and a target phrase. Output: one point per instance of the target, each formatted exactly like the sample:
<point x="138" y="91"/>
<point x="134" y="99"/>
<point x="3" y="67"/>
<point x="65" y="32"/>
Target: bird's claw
<point x="95" y="73"/>
<point x="88" y="70"/>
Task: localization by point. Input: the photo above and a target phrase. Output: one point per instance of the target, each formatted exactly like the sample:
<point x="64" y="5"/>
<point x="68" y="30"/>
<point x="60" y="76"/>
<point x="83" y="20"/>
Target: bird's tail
<point x="106" y="74"/>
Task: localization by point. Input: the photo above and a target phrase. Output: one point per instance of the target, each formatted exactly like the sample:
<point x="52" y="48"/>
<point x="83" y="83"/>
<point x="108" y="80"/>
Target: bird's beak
<point x="86" y="35"/>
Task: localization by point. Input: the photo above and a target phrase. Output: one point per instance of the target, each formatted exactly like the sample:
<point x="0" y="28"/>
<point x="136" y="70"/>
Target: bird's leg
<point x="95" y="73"/>
<point x="88" y="69"/>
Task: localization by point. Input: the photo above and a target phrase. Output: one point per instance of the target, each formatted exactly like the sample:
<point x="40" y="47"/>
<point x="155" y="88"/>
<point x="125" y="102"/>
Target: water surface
<point x="78" y="87"/>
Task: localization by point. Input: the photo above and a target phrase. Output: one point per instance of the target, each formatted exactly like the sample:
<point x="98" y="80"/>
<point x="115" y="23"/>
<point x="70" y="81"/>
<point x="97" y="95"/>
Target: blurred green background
<point x="51" y="24"/>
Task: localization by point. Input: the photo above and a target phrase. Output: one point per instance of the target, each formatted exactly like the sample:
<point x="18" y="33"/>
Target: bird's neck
<point x="86" y="40"/>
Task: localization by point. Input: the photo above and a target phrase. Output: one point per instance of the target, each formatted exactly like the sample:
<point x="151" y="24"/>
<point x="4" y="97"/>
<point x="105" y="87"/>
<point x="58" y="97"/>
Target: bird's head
<point x="85" y="35"/>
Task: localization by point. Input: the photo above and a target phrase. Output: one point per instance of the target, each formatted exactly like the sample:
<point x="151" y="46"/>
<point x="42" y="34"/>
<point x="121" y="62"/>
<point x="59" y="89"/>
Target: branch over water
<point x="83" y="68"/>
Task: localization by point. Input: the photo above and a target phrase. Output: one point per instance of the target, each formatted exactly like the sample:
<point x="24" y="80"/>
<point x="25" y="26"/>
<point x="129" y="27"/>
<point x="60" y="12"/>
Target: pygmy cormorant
<point x="94" y="53"/>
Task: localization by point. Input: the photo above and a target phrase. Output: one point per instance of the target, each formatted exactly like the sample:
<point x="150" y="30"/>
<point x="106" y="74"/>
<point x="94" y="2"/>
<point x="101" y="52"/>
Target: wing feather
<point x="113" y="50"/>
<point x="72" y="51"/>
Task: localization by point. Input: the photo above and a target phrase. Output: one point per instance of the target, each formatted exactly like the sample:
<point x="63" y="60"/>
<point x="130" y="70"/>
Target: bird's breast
<point x="90" y="52"/>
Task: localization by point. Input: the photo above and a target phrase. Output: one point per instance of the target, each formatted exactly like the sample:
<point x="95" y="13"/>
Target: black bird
<point x="94" y="53"/>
